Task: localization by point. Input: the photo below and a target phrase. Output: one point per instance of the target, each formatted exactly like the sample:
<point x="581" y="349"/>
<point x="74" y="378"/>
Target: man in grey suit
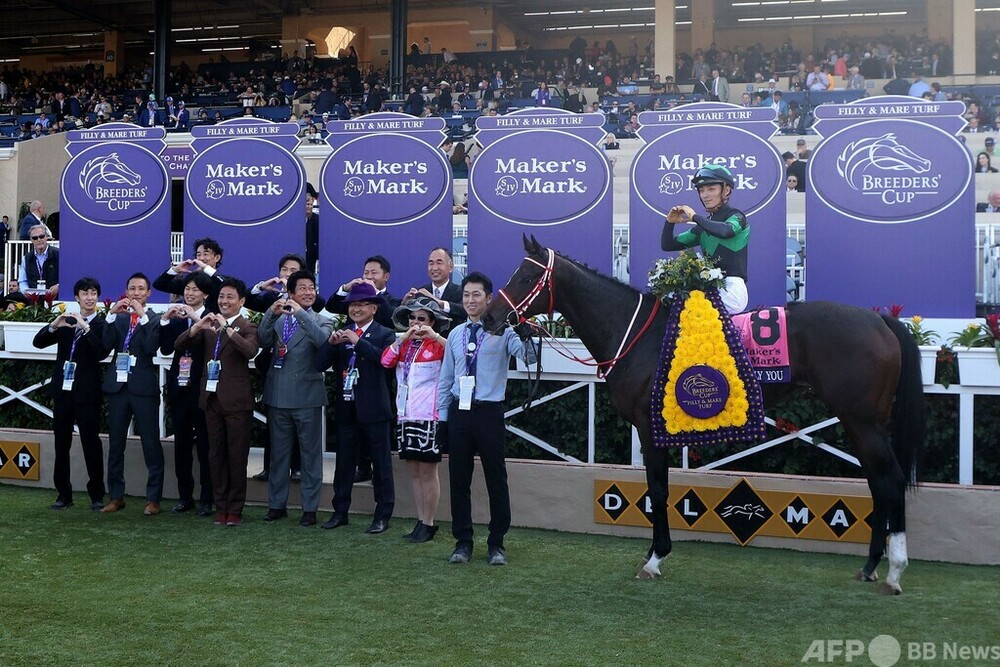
<point x="132" y="385"/>
<point x="719" y="86"/>
<point x="295" y="394"/>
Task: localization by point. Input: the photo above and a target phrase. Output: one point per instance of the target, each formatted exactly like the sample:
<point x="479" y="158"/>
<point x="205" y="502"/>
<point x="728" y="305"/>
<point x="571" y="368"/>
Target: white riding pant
<point x="734" y="294"/>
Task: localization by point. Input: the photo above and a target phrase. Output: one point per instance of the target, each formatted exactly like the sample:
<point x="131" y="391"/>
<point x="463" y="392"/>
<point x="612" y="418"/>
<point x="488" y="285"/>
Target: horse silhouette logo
<point x="671" y="184"/>
<point x="106" y="169"/>
<point x="748" y="510"/>
<point x="216" y="189"/>
<point x="507" y="186"/>
<point x="883" y="153"/>
<point x="699" y="385"/>
<point x="354" y="187"/>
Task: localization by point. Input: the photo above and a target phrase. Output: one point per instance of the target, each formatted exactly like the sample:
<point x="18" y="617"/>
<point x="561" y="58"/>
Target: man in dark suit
<point x="991" y="205"/>
<point x="132" y="385"/>
<point x="295" y="394"/>
<point x="448" y="295"/>
<point x="228" y="341"/>
<point x="376" y="273"/>
<point x="207" y="258"/>
<point x="183" y="117"/>
<point x="76" y="388"/>
<point x="312" y="234"/>
<point x="147" y="117"/>
<point x="183" y="388"/>
<point x="363" y="409"/>
<point x="34" y="216"/>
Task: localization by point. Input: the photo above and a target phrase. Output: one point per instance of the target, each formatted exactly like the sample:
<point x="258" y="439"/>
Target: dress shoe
<point x="414" y="531"/>
<point x="377" y="526"/>
<point x="60" y="504"/>
<point x="274" y="515"/>
<point x="96" y="506"/>
<point x="336" y="521"/>
<point x="113" y="506"/>
<point x="425" y="534"/>
<point x="461" y="554"/>
<point x="296" y="476"/>
<point x="261" y="476"/>
<point x="204" y="509"/>
<point x="362" y="475"/>
<point x="234" y="520"/>
<point x="183" y="506"/>
<point x="152" y="509"/>
<point x="221" y="519"/>
<point x="497" y="556"/>
<point x="308" y="519"/>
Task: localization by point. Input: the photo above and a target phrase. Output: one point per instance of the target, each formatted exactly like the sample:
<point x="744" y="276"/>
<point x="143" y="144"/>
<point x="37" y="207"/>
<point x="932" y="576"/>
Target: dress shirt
<point x="22" y="277"/>
<point x="492" y="361"/>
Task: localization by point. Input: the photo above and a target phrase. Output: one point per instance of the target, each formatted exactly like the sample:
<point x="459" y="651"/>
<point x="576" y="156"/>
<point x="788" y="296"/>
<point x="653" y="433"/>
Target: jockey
<point x="723" y="235"/>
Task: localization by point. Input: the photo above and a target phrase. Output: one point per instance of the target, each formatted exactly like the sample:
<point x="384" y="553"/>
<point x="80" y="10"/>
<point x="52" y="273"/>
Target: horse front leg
<point x="656" y="479"/>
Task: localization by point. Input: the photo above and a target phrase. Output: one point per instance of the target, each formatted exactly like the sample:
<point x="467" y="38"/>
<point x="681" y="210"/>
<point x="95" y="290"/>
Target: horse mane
<point x="606" y="279"/>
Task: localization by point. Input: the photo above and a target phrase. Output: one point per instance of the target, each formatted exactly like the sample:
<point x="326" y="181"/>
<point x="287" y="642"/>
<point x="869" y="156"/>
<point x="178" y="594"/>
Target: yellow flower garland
<point x="702" y="341"/>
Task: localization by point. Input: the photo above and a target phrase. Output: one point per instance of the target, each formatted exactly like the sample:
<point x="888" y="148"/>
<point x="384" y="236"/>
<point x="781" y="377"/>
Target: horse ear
<point x="527" y="243"/>
<point x="536" y="247"/>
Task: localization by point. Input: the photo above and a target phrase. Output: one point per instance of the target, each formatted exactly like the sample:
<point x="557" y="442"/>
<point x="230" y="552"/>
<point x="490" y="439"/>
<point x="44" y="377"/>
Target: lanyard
<point x="40" y="263"/>
<point x="76" y="337"/>
<point x="288" y="329"/>
<point x="218" y="343"/>
<point x="132" y="325"/>
<point x="354" y="353"/>
<point x="470" y="358"/>
<point x="411" y="354"/>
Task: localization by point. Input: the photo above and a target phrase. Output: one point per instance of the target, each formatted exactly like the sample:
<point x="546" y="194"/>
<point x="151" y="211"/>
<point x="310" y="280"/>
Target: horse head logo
<point x="698" y="384"/>
<point x="884" y="153"/>
<point x="506" y="186"/>
<point x="354" y="187"/>
<point x="216" y="189"/>
<point x="106" y="169"/>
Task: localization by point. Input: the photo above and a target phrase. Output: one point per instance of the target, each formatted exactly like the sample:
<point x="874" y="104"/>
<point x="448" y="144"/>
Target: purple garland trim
<point x="755" y="429"/>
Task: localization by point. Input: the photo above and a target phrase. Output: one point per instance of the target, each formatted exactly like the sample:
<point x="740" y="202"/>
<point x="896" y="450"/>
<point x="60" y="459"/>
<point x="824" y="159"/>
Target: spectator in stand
<point x="818" y="79"/>
<point x="991" y="205"/>
<point x="670" y="86"/>
<point x="855" y="81"/>
<point x="40" y="267"/>
<point x="34" y="216"/>
<point x="541" y="95"/>
<point x="983" y="164"/>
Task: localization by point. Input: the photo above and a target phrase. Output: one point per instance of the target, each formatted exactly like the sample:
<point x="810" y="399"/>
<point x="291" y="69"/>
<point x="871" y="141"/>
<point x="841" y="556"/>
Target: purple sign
<point x="540" y="172"/>
<point x="387" y="190"/>
<point x="701" y="391"/>
<point x="889" y="207"/>
<point x="245" y="188"/>
<point x="178" y="160"/>
<point x="114" y="203"/>
<point x="678" y="142"/>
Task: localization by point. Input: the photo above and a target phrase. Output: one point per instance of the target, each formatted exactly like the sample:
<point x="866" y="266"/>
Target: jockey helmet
<point x="713" y="173"/>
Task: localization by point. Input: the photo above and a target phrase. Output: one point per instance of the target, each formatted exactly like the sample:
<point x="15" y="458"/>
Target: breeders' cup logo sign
<point x="662" y="169"/>
<point x="408" y="179"/>
<point x="888" y="171"/>
<point x="244" y="182"/>
<point x="562" y="185"/>
<point x="114" y="185"/>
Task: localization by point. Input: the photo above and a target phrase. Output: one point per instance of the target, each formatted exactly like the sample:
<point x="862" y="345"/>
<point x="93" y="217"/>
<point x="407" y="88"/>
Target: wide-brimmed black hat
<point x="400" y="316"/>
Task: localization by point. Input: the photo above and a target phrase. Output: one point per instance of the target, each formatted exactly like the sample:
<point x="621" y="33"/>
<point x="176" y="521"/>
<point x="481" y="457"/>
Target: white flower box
<point x="978" y="367"/>
<point x="17" y="336"/>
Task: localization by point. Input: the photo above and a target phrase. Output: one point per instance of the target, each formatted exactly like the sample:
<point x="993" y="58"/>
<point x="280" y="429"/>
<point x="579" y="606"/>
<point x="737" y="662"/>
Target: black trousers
<point x="470" y="432"/>
<point x="66" y="412"/>
<point x="190" y="435"/>
<point x="352" y="438"/>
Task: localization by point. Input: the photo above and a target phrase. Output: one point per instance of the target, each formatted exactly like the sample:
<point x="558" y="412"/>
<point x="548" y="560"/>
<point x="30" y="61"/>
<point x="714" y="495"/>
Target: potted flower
<point x="927" y="340"/>
<point x="979" y="362"/>
<point x="22" y="321"/>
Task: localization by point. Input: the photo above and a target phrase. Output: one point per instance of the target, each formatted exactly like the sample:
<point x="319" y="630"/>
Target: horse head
<point x="883" y="153"/>
<point x="527" y="293"/>
<point x="107" y="169"/>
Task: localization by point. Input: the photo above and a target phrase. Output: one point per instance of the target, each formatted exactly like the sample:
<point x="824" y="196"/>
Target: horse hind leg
<point x="888" y="489"/>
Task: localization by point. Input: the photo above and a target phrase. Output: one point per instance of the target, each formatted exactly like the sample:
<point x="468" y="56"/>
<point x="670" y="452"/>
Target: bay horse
<point x="864" y="366"/>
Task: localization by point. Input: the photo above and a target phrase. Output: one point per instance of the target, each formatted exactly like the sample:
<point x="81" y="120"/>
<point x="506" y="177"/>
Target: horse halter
<point x="544" y="281"/>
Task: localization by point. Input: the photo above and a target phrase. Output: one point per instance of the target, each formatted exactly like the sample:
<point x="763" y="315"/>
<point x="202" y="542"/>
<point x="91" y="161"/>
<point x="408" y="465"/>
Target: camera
<point x="71" y="320"/>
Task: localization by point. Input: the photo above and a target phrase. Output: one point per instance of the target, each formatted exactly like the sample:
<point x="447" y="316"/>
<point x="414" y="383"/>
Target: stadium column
<point x="397" y="48"/>
<point x="114" y="50"/>
<point x="963" y="38"/>
<point x="161" y="47"/>
<point x="664" y="37"/>
<point x="702" y="25"/>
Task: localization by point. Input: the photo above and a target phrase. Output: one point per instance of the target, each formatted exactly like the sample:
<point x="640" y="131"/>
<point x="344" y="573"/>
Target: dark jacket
<point x="371" y="393"/>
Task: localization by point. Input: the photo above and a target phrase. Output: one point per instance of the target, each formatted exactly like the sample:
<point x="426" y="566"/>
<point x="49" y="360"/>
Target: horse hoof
<point x="643" y="573"/>
<point x="863" y="576"/>
<point x="885" y="588"/>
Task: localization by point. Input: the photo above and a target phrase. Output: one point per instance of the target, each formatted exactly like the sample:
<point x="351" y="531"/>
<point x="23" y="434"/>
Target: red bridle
<point x="544" y="281"/>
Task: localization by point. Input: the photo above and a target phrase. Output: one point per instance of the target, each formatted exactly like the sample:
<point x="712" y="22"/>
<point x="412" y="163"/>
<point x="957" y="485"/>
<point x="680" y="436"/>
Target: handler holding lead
<point x="724" y="235"/>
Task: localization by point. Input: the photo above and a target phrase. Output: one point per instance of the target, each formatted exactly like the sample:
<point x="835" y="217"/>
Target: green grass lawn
<point x="78" y="588"/>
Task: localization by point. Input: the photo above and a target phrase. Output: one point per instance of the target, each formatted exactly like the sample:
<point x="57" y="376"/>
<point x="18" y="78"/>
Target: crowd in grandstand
<point x="41" y="103"/>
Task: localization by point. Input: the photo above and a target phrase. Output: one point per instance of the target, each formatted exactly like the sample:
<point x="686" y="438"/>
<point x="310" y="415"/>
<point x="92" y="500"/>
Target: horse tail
<point x="909" y="417"/>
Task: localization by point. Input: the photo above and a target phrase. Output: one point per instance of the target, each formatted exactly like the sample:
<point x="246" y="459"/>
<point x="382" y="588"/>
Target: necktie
<point x="133" y="320"/>
<point x="359" y="331"/>
<point x="437" y="292"/>
<point x="472" y="355"/>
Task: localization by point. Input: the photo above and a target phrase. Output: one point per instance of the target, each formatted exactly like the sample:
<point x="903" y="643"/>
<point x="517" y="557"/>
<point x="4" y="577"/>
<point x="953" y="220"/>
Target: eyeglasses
<point x="419" y="318"/>
<point x="38" y="237"/>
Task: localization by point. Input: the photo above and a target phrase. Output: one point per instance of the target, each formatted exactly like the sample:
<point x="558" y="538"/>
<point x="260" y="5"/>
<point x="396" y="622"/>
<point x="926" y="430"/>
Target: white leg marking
<point x="652" y="566"/>
<point x="897" y="558"/>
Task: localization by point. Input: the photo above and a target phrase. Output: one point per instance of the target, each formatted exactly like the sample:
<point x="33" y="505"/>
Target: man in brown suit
<point x="230" y="342"/>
